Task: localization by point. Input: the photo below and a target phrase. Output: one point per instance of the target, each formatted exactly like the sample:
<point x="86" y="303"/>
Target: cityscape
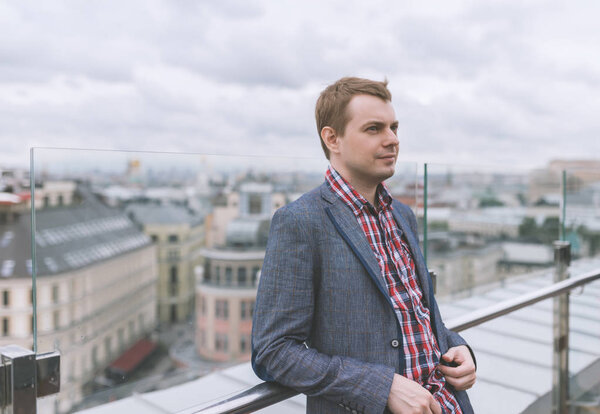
<point x="146" y="265"/>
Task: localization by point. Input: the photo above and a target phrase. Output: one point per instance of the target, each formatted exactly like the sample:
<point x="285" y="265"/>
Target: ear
<point x="331" y="139"/>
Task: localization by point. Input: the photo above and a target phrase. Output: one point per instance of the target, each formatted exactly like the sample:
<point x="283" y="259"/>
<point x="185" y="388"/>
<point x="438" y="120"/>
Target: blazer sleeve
<point x="282" y="326"/>
<point x="454" y="339"/>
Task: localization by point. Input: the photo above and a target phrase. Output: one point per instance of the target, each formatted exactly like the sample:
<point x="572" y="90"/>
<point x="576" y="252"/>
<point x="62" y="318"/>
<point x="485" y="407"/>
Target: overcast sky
<point x="512" y="83"/>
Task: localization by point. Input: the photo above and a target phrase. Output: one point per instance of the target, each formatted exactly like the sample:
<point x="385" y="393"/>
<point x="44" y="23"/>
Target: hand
<point x="408" y="397"/>
<point x="462" y="377"/>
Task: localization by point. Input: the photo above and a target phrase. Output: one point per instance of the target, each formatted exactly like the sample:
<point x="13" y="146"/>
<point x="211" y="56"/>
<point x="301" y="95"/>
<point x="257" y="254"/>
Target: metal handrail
<point x="269" y="393"/>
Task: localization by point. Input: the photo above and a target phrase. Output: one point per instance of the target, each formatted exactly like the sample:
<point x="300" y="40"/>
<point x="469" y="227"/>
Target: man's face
<point x="367" y="152"/>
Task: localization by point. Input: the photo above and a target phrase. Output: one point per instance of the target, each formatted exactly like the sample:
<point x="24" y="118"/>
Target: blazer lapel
<point x="346" y="224"/>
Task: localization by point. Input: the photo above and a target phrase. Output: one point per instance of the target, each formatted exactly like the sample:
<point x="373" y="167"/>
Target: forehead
<point x="364" y="108"/>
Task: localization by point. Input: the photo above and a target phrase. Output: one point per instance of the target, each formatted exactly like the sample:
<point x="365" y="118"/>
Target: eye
<point x="372" y="128"/>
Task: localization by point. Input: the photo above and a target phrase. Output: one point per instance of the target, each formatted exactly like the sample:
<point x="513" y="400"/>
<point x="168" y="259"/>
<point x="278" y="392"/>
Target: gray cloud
<point x="501" y="82"/>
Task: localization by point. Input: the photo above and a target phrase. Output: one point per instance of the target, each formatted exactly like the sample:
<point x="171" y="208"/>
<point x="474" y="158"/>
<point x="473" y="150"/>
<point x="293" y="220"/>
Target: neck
<point x="365" y="189"/>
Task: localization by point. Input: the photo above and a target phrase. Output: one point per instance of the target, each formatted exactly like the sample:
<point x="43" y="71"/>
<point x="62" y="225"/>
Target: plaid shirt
<point x="421" y="351"/>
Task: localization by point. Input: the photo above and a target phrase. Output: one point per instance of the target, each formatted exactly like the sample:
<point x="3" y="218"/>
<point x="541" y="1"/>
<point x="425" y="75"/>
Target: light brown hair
<point x="332" y="103"/>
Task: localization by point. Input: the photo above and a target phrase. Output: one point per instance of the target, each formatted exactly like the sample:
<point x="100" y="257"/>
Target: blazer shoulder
<point x="307" y="203"/>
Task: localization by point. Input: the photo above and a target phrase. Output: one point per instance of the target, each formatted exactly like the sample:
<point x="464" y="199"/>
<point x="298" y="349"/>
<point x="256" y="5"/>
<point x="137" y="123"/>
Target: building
<point x="226" y="292"/>
<point x="178" y="234"/>
<point x="95" y="276"/>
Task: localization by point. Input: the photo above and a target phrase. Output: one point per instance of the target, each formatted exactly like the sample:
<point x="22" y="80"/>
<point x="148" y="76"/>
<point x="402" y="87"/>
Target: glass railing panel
<point x="147" y="268"/>
<point x="581" y="227"/>
<point x="16" y="304"/>
<point x="514" y="351"/>
<point x="486" y="224"/>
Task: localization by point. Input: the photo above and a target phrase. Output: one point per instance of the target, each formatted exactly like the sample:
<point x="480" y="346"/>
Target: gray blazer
<point x="324" y="324"/>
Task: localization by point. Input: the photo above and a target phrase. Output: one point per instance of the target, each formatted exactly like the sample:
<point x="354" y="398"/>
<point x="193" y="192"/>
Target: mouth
<point x="387" y="157"/>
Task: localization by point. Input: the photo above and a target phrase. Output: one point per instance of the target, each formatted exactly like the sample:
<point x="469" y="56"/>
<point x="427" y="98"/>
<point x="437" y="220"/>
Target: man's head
<point x="331" y="109"/>
<point x="358" y="129"/>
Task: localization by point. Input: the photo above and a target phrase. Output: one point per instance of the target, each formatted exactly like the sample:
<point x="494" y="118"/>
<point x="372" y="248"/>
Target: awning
<point x="132" y="358"/>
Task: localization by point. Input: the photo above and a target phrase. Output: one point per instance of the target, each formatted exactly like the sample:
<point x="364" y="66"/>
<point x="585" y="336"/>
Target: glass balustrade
<point x="581" y="227"/>
<point x="146" y="267"/>
<point x="486" y="224"/>
<point x="147" y="264"/>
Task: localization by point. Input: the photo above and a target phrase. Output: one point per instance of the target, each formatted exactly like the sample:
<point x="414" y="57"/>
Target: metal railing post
<point x="433" y="275"/>
<point x="560" y="366"/>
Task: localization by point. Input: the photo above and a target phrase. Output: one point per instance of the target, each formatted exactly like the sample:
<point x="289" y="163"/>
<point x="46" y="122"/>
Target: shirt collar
<point x="344" y="190"/>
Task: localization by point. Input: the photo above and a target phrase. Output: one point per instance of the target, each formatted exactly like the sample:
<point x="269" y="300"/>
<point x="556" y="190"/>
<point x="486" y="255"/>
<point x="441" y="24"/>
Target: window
<point x="5" y="327"/>
<point x="173" y="254"/>
<point x="217" y="274"/>
<point x="247" y="309"/>
<point x="221" y="342"/>
<point x="173" y="238"/>
<point x="154" y="238"/>
<point x="173" y="313"/>
<point x="55" y="294"/>
<point x="228" y="276"/>
<point x="60" y="200"/>
<point x="207" y="272"/>
<point x="108" y="347"/>
<point x="173" y="281"/>
<point x="56" y="319"/>
<point x="121" y="338"/>
<point x="131" y="329"/>
<point x="242" y="279"/>
<point x="221" y="309"/>
<point x="95" y="356"/>
<point x="255" y="201"/>
<point x="5" y="298"/>
<point x="244" y="343"/>
<point x="46" y="201"/>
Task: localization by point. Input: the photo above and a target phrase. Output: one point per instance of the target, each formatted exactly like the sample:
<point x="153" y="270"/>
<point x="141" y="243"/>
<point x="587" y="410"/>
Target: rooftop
<point x="67" y="238"/>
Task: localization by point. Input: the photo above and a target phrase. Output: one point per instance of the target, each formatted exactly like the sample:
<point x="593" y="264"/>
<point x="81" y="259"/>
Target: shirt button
<point x="395" y="343"/>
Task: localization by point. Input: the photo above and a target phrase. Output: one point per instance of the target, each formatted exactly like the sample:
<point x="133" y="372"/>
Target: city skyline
<point x="502" y="83"/>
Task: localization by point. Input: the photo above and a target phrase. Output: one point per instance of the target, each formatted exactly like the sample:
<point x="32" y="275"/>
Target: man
<point x="345" y="311"/>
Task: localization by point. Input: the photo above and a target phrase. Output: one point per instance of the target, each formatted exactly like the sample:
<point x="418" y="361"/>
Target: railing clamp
<point x="25" y="376"/>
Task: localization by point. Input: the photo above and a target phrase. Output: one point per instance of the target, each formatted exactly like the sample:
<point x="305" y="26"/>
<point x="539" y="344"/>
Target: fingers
<point x="463" y="383"/>
<point x="435" y="407"/>
<point x="462" y="376"/>
<point x="457" y="372"/>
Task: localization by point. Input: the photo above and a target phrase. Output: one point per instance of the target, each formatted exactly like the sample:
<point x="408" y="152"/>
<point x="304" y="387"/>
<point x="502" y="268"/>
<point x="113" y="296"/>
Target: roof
<point x="133" y="357"/>
<point x="514" y="355"/>
<point x="67" y="238"/>
<point x="151" y="213"/>
<point x="514" y="351"/>
<point x="527" y="253"/>
<point x="211" y="387"/>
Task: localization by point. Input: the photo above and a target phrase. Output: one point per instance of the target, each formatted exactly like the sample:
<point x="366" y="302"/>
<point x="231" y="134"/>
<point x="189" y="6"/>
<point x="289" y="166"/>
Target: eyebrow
<point x="379" y="123"/>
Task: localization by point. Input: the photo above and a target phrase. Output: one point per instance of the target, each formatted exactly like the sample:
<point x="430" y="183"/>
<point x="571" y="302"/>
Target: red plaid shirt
<point x="421" y="351"/>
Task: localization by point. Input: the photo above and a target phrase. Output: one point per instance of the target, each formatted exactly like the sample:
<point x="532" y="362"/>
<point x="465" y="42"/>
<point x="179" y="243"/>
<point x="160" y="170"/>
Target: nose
<point x="391" y="138"/>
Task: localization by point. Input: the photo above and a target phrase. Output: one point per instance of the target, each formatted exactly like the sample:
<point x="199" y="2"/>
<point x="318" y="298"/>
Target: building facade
<point x="178" y="235"/>
<point x="95" y="278"/>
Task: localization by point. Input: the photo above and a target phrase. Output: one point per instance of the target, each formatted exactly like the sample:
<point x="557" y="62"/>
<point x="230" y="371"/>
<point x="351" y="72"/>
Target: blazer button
<point x="395" y="343"/>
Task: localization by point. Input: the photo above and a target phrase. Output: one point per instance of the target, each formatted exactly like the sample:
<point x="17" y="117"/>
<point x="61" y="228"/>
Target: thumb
<point x="449" y="356"/>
